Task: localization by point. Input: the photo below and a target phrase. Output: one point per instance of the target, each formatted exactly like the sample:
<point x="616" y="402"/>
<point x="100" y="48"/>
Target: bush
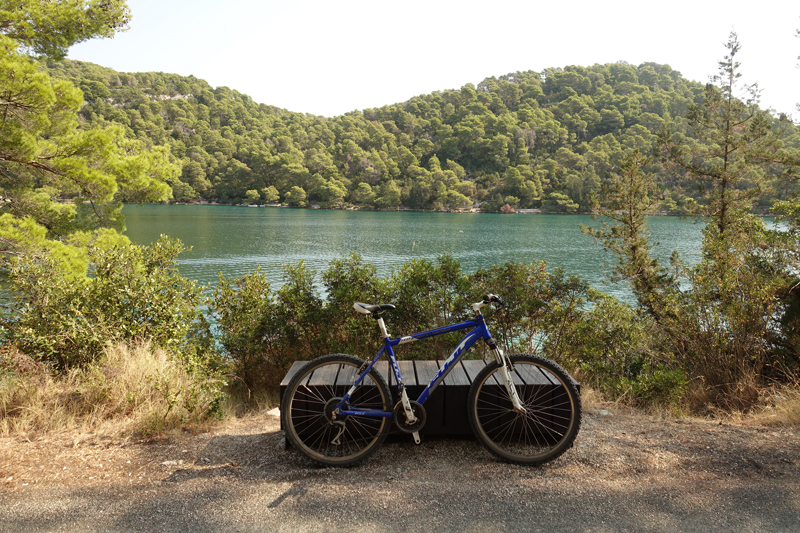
<point x="428" y="296"/>
<point x="549" y="313"/>
<point x="722" y="335"/>
<point x="301" y="315"/>
<point x="621" y="353"/>
<point x="263" y="332"/>
<point x="247" y="317"/>
<point x="349" y="280"/>
<point x="132" y="293"/>
<point x="540" y="305"/>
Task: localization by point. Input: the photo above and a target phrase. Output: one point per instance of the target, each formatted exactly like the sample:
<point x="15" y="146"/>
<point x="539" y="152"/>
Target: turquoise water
<point x="234" y="240"/>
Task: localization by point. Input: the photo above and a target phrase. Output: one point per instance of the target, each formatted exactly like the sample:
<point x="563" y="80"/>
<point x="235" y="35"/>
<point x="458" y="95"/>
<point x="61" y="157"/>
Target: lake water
<point x="234" y="240"/>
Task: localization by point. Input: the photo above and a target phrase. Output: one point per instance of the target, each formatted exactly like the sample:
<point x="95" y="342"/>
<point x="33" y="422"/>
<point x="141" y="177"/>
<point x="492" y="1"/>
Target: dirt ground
<point x="626" y="472"/>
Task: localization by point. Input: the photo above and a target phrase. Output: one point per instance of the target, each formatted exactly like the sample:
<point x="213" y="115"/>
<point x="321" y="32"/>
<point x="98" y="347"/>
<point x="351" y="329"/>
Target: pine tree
<point x="60" y="183"/>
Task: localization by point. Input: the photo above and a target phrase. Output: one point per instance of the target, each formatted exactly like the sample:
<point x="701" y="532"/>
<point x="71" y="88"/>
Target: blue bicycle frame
<point x="478" y="331"/>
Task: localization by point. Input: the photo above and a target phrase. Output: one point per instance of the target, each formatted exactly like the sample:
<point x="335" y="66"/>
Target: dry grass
<point x="591" y="400"/>
<point x="243" y="402"/>
<point x="781" y="408"/>
<point x="740" y="395"/>
<point x="134" y="390"/>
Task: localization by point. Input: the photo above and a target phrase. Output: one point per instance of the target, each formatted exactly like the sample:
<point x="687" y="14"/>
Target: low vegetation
<point x="129" y="390"/>
<point x="600" y="340"/>
<point x="133" y="388"/>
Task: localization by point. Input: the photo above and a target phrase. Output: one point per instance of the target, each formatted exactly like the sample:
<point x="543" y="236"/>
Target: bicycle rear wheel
<point x="552" y="411"/>
<point x="307" y="411"/>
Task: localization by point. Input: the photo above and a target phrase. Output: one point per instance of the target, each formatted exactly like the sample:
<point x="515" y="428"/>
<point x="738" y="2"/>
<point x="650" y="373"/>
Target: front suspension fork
<point x="506" y="367"/>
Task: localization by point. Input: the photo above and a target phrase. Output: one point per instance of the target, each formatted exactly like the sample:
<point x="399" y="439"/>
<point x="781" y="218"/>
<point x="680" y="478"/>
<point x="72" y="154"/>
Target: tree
<point x="60" y="182"/>
<point x="388" y="195"/>
<point x="296" y="197"/>
<point x="625" y="200"/>
<point x="270" y="194"/>
<point x="559" y="203"/>
<point x="726" y="319"/>
<point x="363" y="194"/>
<point x="48" y="28"/>
<point x="228" y="144"/>
<point x="332" y="192"/>
<point x="252" y="197"/>
<point x="737" y="145"/>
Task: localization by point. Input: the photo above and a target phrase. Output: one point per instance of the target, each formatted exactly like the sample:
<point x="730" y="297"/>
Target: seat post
<point x="381" y="325"/>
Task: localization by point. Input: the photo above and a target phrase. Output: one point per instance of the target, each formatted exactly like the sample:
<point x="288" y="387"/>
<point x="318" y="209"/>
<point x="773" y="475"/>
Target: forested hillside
<point x="530" y="140"/>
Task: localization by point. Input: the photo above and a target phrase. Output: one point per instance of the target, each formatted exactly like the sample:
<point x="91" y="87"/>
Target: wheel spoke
<point x="552" y="411"/>
<point x="311" y="425"/>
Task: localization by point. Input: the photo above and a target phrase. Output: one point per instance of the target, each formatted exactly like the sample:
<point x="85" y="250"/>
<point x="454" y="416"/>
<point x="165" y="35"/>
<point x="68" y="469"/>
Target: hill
<point x="531" y="140"/>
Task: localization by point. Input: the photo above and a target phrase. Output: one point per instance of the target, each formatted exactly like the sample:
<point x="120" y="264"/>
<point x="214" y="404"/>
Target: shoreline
<point x="408" y="210"/>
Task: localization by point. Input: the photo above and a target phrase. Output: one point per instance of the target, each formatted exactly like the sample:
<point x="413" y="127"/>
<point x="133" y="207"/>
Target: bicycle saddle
<point x="370" y="309"/>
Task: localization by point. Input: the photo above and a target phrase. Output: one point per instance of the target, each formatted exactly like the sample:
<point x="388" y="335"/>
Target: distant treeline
<point x="530" y="140"/>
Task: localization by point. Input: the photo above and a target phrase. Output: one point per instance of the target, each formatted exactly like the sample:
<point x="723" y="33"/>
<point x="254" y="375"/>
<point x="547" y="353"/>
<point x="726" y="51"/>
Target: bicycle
<point x="523" y="408"/>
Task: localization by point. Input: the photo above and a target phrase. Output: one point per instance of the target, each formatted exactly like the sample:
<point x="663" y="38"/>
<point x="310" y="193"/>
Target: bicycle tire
<point x="553" y="411"/>
<point x="311" y="431"/>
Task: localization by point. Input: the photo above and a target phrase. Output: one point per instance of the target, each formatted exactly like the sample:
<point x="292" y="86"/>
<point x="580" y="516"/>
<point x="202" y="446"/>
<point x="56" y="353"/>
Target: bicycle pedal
<point x="417" y="440"/>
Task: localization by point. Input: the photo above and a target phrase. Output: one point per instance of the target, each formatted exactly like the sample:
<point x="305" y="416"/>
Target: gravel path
<point x="627" y="472"/>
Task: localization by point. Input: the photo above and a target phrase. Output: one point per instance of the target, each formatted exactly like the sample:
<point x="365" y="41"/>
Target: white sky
<point x="330" y="57"/>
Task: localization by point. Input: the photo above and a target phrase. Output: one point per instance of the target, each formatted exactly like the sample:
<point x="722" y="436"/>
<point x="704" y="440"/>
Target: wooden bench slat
<point x="296" y="366"/>
<point x="425" y="370"/>
<point x="458" y="376"/>
<point x="532" y="377"/>
<point x="472" y="368"/>
<point x="408" y="373"/>
<point x="434" y="406"/>
<point x="324" y="376"/>
<point x="382" y="368"/>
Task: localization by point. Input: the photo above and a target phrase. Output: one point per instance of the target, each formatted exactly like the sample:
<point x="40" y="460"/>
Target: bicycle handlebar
<point x="493" y="298"/>
<point x="488" y="300"/>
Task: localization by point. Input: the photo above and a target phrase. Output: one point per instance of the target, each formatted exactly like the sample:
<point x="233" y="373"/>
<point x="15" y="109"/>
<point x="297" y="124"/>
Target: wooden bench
<point x="446" y="408"/>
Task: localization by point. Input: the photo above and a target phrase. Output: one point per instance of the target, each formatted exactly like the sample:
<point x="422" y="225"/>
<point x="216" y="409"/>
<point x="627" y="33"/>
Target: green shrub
<point x="591" y="334"/>
<point x="622" y="353"/>
<point x="132" y="293"/>
<point x="263" y="332"/>
<point x="248" y="326"/>
<point x="540" y="305"/>
<point x="428" y="295"/>
<point x="301" y="315"/>
<point x="349" y="280"/>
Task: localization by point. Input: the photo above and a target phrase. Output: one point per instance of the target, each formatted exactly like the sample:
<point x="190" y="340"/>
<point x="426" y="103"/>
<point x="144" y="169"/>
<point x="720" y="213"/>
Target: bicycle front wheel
<point x="552" y="416"/>
<point x="310" y="423"/>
